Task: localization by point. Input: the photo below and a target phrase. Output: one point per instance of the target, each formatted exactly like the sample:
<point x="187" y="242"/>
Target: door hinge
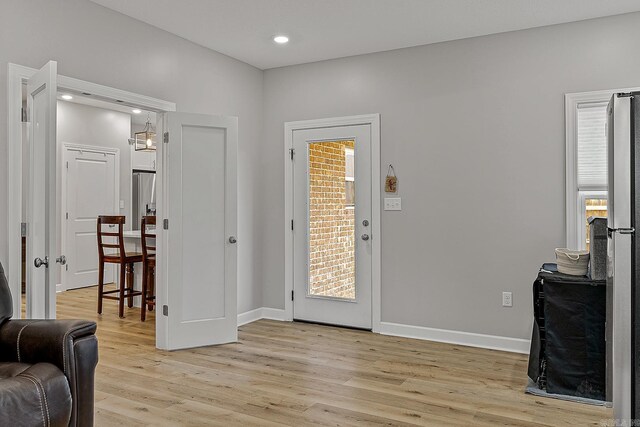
<point x="165" y="224"/>
<point x="66" y="267"/>
<point x="292" y="151"/>
<point x="67" y="165"/>
<point x="291" y="295"/>
<point x="625" y="95"/>
<point x="67" y="215"/>
<point x="165" y="137"/>
<point x="165" y="310"/>
<point x="23" y="115"/>
<point x="23" y="229"/>
<point x="291" y="224"/>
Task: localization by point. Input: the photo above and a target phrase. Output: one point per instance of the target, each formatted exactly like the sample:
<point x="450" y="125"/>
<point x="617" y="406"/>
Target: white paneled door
<point x="90" y="180"/>
<point x="332" y="225"/>
<point x="199" y="249"/>
<point x="42" y="268"/>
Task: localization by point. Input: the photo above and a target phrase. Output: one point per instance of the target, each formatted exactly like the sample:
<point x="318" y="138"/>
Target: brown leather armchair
<point x="46" y="369"/>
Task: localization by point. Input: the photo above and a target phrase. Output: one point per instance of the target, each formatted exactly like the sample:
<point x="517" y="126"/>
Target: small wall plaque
<point x="391" y="182"/>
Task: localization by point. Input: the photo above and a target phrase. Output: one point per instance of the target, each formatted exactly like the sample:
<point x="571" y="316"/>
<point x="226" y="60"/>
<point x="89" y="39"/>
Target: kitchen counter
<point x="135" y="234"/>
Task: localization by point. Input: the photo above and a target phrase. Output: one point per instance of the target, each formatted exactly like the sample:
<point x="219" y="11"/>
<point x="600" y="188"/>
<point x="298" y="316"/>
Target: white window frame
<point x="575" y="202"/>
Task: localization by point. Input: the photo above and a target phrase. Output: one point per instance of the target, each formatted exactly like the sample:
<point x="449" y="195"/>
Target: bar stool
<point x="125" y="259"/>
<point x="148" y="265"/>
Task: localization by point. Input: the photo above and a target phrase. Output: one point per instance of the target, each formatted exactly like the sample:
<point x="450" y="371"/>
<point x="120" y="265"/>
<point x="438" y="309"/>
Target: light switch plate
<point x="392" y="204"/>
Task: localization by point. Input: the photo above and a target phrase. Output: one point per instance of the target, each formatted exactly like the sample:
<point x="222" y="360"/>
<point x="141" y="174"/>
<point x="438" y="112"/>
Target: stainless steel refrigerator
<point x="623" y="274"/>
<point x="144" y="196"/>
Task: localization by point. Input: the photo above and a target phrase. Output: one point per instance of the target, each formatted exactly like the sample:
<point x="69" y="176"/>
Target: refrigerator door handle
<point x="622" y="230"/>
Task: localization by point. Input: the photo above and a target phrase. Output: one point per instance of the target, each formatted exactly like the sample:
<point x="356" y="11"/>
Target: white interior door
<point x="198" y="252"/>
<point x="42" y="268"/>
<point x="91" y="186"/>
<point x="332" y="225"/>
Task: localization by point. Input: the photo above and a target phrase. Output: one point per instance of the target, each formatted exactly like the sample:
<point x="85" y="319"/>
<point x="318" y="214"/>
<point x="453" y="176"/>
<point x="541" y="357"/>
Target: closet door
<point x="198" y="251"/>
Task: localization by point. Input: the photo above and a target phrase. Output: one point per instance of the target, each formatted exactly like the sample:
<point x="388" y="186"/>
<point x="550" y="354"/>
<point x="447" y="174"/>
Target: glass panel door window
<point x="331" y="220"/>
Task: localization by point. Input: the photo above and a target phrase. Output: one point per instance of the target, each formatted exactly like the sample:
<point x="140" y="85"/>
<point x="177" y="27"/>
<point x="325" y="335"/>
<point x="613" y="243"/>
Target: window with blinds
<point x="592" y="146"/>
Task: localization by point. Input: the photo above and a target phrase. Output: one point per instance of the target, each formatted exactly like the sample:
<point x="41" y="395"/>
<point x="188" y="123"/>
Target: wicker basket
<point x="573" y="262"/>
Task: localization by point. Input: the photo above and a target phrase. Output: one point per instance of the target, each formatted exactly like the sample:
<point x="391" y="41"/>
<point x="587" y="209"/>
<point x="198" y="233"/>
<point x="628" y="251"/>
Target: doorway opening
<point x="99" y="172"/>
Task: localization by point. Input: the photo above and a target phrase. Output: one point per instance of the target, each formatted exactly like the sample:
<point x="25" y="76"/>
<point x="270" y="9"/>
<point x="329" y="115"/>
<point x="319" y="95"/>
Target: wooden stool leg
<point x="152" y="286"/>
<point x="130" y="285"/>
<point x="100" y="285"/>
<point x="123" y="278"/>
<point x="143" y="302"/>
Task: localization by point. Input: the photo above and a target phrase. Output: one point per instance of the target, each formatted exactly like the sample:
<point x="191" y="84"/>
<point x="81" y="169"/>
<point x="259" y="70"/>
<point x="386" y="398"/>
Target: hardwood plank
<point x="296" y="374"/>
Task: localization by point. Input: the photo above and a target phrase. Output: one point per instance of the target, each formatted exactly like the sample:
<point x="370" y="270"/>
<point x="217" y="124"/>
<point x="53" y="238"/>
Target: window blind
<point x="592" y="146"/>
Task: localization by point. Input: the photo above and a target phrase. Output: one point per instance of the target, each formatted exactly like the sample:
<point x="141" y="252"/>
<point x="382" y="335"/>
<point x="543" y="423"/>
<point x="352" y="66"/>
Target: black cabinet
<point x="568" y="352"/>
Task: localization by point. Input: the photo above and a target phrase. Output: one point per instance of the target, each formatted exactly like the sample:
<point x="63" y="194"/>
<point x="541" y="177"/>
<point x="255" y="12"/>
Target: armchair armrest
<point x="37" y="341"/>
<point x="71" y="345"/>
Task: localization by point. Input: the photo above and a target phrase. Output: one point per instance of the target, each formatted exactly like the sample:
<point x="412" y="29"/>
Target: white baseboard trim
<point x="273" y="314"/>
<point x="249" y="316"/>
<point x="59" y="288"/>
<point x="493" y="342"/>
<point x="260" y="313"/>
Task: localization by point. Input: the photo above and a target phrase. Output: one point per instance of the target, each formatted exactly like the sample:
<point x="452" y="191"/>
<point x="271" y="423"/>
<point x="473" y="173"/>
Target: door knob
<point x="365" y="222"/>
<point x="365" y="237"/>
<point x="232" y="239"/>
<point x="62" y="260"/>
<point x="39" y="262"/>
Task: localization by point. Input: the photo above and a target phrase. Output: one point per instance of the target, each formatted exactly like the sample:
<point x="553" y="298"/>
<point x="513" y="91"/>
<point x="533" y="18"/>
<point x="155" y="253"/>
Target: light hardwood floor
<point x="297" y="374"/>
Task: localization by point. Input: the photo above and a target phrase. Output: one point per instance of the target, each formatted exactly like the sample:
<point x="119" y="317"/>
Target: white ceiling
<point x="326" y="29"/>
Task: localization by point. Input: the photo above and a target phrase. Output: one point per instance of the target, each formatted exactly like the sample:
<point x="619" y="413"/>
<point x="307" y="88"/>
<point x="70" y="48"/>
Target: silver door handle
<point x="62" y="260"/>
<point x="629" y="230"/>
<point x="365" y="237"/>
<point x="39" y="262"/>
<point x="232" y="239"/>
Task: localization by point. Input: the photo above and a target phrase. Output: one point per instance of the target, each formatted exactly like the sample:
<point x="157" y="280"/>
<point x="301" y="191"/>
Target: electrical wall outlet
<point x="507" y="299"/>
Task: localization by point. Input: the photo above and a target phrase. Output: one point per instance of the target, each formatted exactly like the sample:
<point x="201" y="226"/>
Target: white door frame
<point x="289" y="127"/>
<point x="16" y="76"/>
<point x="63" y="189"/>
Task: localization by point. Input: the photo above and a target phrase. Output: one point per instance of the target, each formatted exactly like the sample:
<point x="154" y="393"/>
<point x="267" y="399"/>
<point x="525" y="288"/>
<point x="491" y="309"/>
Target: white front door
<point x="90" y="180"/>
<point x="332" y="225"/>
<point x="42" y="269"/>
<point x="198" y="253"/>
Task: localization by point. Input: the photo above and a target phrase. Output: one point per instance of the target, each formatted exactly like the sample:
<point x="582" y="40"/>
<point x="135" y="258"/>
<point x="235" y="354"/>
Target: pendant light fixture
<point x="145" y="140"/>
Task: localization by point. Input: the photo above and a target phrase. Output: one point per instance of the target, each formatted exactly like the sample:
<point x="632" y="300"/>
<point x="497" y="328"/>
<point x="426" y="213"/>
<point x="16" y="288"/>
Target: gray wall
<point x="475" y="130"/>
<point x="96" y="44"/>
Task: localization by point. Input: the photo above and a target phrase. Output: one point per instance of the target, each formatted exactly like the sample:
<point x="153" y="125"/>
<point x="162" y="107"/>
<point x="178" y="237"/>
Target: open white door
<point x="41" y="194"/>
<point x="198" y="253"/>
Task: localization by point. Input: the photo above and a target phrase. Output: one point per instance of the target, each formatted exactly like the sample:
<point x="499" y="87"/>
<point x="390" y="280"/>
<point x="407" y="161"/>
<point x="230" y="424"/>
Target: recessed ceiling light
<point x="136" y="111"/>
<point x="281" y="39"/>
<point x="67" y="97"/>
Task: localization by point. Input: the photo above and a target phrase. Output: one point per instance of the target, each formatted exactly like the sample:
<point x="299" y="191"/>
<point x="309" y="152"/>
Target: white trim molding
<point x="261" y="313"/>
<point x="492" y="342"/>
<point x="572" y="205"/>
<point x="374" y="121"/>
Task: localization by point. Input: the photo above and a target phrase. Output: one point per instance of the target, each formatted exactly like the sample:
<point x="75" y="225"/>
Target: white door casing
<point x="90" y="186"/>
<point x="199" y="200"/>
<point x="41" y="193"/>
<point x="339" y="311"/>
